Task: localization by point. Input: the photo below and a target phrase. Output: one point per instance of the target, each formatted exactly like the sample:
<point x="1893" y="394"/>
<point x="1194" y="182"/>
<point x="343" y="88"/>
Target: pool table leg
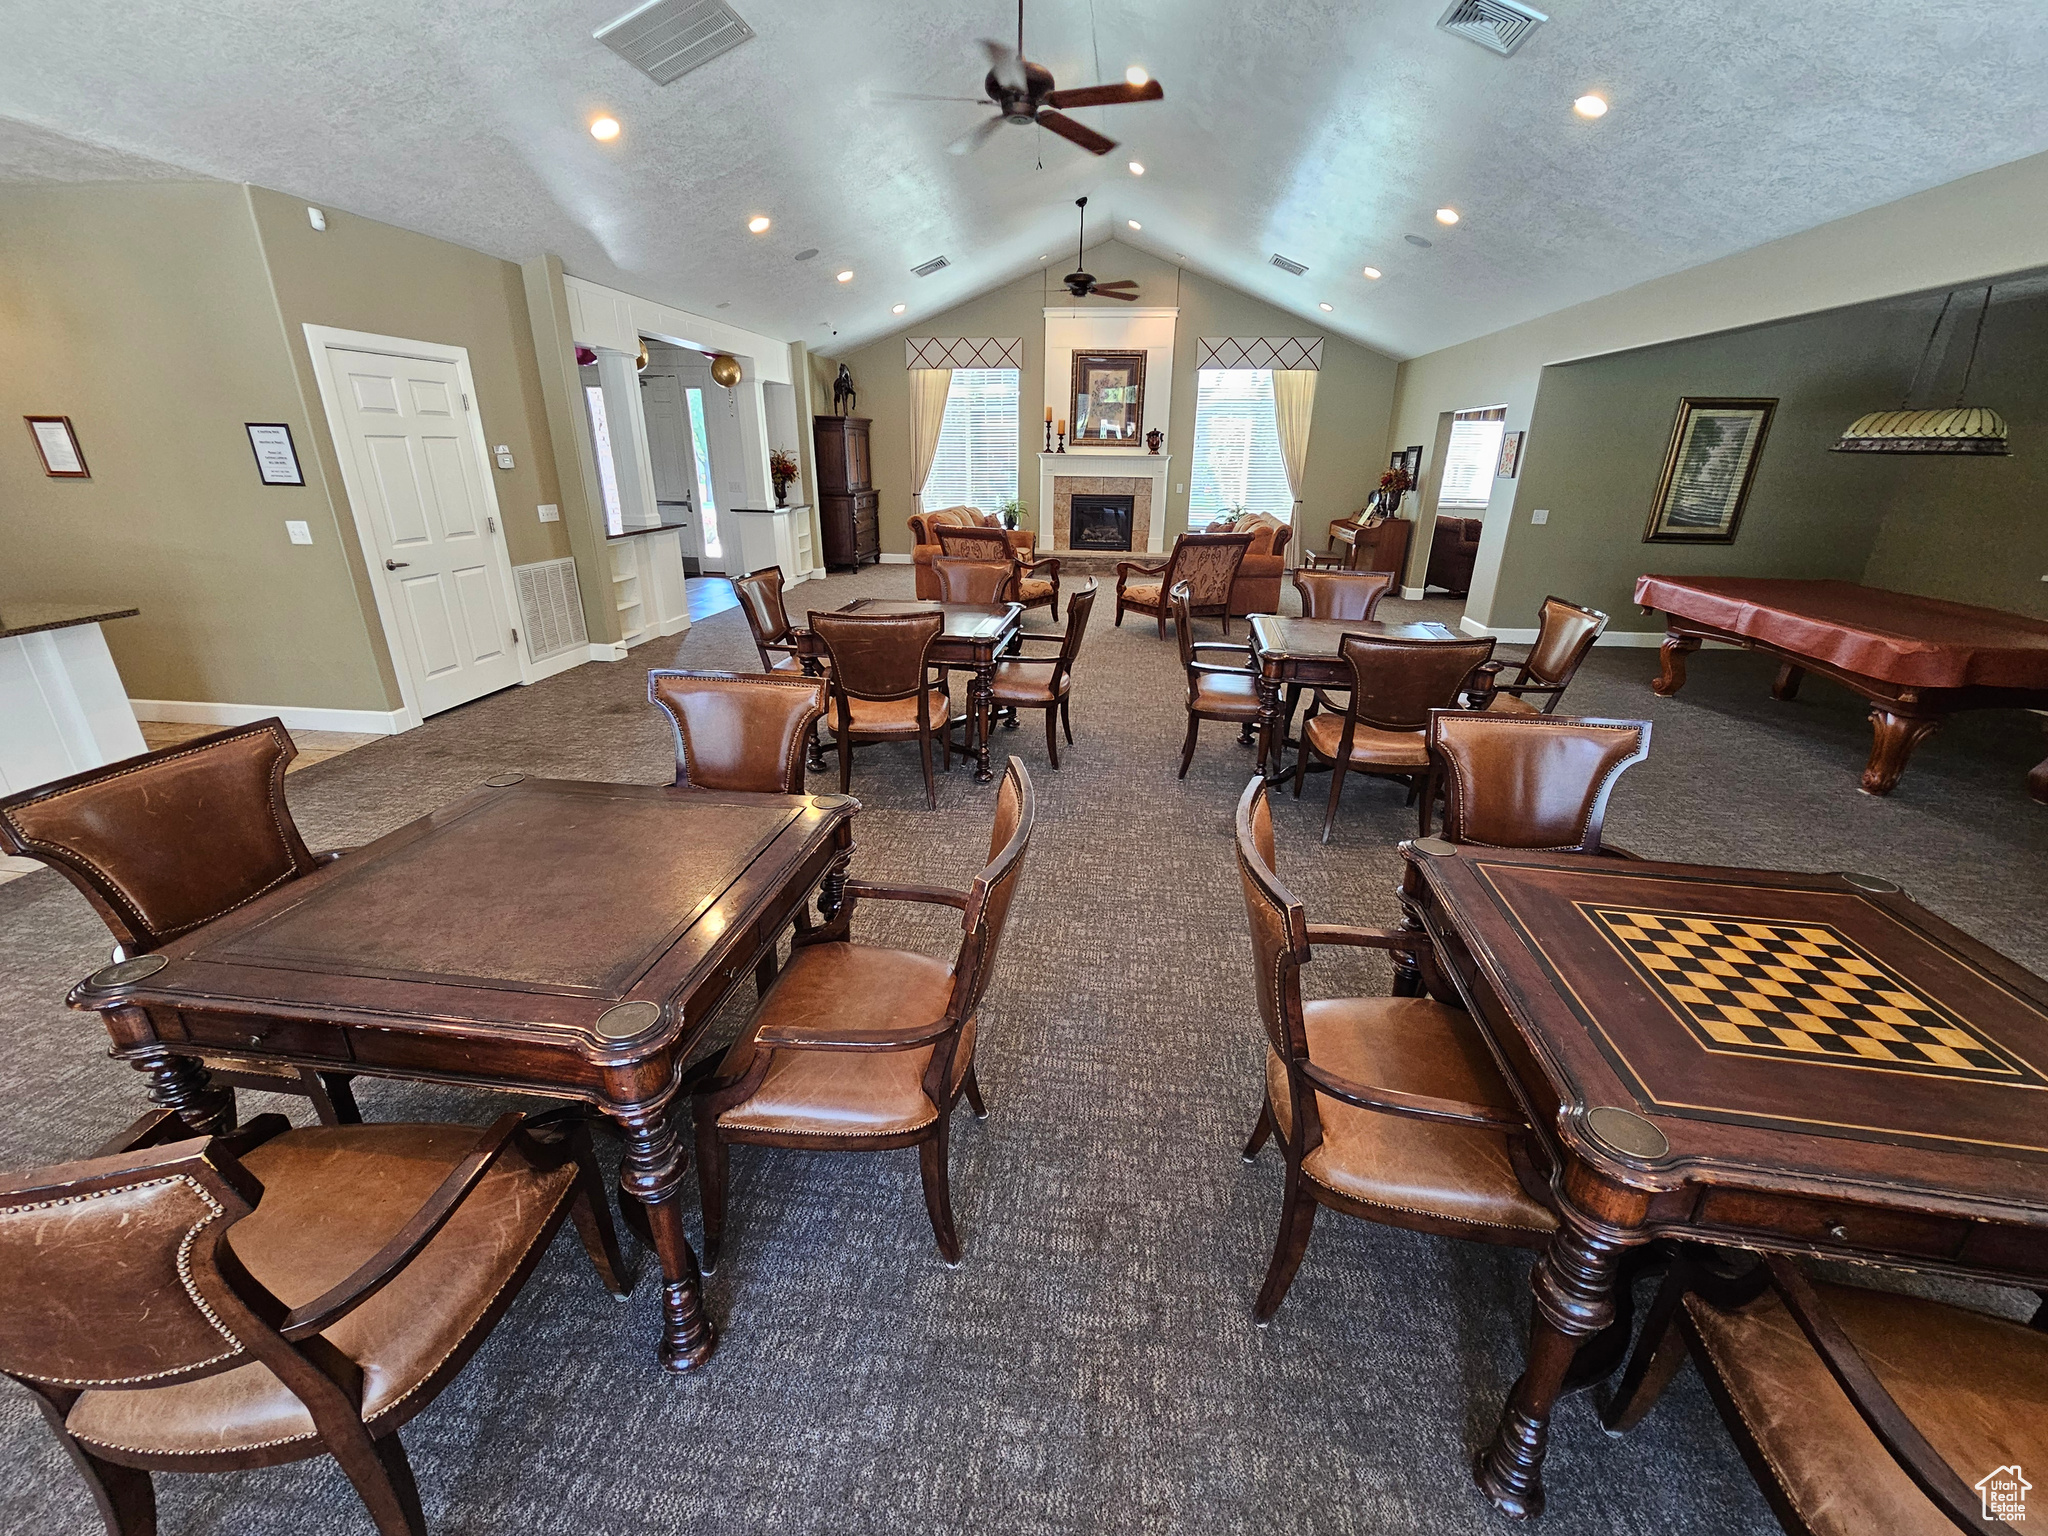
<point x="1675" y="649"/>
<point x="1894" y="737"/>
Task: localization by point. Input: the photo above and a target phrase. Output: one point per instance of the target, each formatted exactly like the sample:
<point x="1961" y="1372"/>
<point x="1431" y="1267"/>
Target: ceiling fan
<point x="1024" y="93"/>
<point x="1080" y="284"/>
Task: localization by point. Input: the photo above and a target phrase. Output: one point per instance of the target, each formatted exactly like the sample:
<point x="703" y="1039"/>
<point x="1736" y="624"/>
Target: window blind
<point x="1472" y="458"/>
<point x="1237" y="448"/>
<point x="976" y="462"/>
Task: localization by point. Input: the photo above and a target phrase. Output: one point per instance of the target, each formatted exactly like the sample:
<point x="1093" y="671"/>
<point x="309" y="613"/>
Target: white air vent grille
<point x="934" y="265"/>
<point x="550" y="608"/>
<point x="669" y="38"/>
<point x="1295" y="267"/>
<point x="1500" y="26"/>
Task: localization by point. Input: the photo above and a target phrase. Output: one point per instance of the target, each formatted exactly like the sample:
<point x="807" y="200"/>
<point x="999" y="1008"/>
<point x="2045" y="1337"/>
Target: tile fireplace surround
<point x="1091" y="472"/>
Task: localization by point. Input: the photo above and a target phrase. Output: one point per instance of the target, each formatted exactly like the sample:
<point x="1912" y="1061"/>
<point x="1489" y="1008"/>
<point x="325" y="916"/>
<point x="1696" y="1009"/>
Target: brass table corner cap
<point x="832" y="802"/>
<point x="122" y="972"/>
<point x="504" y="780"/>
<point x="623" y="1021"/>
<point x="1435" y="847"/>
<point x="1626" y="1133"/>
<point x="1876" y="885"/>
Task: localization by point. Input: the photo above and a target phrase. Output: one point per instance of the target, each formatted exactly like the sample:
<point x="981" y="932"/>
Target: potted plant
<point x="1225" y="520"/>
<point x="783" y="471"/>
<point x="1010" y="511"/>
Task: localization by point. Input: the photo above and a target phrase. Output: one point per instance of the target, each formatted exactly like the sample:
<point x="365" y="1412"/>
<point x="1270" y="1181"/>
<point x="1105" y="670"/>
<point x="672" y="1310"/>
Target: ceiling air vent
<point x="1285" y="265"/>
<point x="669" y="38"/>
<point x="934" y="265"/>
<point x="1500" y="26"/>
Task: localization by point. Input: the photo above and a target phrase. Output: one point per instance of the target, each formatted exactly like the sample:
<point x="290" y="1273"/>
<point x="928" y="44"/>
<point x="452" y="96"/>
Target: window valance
<point x="963" y="352"/>
<point x="1284" y="352"/>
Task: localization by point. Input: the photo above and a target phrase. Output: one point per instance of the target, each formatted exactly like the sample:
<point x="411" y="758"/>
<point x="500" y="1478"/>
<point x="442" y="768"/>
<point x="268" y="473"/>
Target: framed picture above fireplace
<point x="1109" y="398"/>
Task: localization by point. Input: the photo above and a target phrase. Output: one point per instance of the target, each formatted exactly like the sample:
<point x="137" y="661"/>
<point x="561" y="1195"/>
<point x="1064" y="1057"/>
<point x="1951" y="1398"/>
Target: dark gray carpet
<point x="1091" y="1366"/>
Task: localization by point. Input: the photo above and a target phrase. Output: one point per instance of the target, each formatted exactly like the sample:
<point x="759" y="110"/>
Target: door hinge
<point x="465" y="399"/>
<point x="491" y="525"/>
<point x="515" y="636"/>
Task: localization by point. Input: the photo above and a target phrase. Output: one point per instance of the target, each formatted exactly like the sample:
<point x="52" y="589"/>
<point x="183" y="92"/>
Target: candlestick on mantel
<point x="1063" y="436"/>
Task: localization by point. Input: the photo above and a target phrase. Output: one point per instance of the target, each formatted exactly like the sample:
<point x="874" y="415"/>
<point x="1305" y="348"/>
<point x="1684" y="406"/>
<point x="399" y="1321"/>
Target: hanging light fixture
<point x="1957" y="429"/>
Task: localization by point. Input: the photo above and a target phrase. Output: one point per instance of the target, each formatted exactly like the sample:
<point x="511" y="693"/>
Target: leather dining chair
<point x="736" y="732"/>
<point x="1034" y="583"/>
<point x="861" y="1048"/>
<point x="1384" y="727"/>
<point x="1858" y="1410"/>
<point x="166" y="842"/>
<point x="1046" y="682"/>
<point x="1206" y="562"/>
<point x="1342" y="594"/>
<point x="1217" y="690"/>
<point x="1564" y="636"/>
<point x="1530" y="781"/>
<point x="885" y="686"/>
<point x="760" y="595"/>
<point x="1389" y="1108"/>
<point x="270" y="1295"/>
<point x="981" y="582"/>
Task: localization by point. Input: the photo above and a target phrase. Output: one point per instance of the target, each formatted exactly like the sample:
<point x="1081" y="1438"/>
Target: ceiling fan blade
<point x="1104" y="293"/>
<point x="1106" y="95"/>
<point x="981" y="101"/>
<point x="1080" y="133"/>
<point x="1122" y="282"/>
<point x="1005" y="63"/>
<point x="974" y="137"/>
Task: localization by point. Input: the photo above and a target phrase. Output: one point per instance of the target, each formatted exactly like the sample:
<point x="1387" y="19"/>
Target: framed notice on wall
<point x="1707" y="470"/>
<point x="277" y="461"/>
<point x="58" y="446"/>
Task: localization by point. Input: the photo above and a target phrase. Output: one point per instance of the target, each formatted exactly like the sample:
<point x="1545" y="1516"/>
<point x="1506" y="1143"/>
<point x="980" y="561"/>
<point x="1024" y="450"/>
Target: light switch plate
<point x="298" y="532"/>
<point x="504" y="453"/>
<point x="1540" y="516"/>
<point x="550" y="513"/>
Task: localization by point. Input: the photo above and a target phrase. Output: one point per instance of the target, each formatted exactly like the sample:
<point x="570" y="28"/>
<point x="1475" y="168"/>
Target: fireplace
<point x="1101" y="522"/>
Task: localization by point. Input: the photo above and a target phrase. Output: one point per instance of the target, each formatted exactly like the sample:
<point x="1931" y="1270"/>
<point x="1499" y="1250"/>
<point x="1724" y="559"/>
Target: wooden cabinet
<point x="849" y="507"/>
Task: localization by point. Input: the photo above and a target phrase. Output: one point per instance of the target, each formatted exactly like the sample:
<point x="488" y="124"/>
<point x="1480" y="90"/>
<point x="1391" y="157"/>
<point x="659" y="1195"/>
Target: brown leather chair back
<point x="164" y="842"/>
<point x="991" y="544"/>
<point x="1279" y="929"/>
<point x="1531" y="781"/>
<point x="1179" y="599"/>
<point x="972" y="581"/>
<point x="879" y="655"/>
<point x="1342" y="594"/>
<point x="734" y="732"/>
<point x="1079" y="606"/>
<point x="1396" y="683"/>
<point x="760" y="594"/>
<point x="1208" y="563"/>
<point x="1564" y="635"/>
<point x="993" y="890"/>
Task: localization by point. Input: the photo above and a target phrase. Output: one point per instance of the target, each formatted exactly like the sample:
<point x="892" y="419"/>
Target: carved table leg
<point x="1272" y="727"/>
<point x="1672" y="654"/>
<point x="1893" y="739"/>
<point x="182" y="1084"/>
<point x="832" y="890"/>
<point x="652" y="1174"/>
<point x="981" y="700"/>
<point x="1574" y="1287"/>
<point x="1787" y="685"/>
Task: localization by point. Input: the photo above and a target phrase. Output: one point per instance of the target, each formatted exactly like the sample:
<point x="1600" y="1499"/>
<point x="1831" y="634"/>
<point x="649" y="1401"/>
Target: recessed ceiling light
<point x="1590" y="105"/>
<point x="758" y="224"/>
<point x="1135" y="75"/>
<point x="1447" y="215"/>
<point x="899" y="309"/>
<point x="604" y="129"/>
<point x="1327" y="308"/>
<point x="1134" y="223"/>
<point x="846" y="276"/>
<point x="1374" y="273"/>
<point x="1137" y="169"/>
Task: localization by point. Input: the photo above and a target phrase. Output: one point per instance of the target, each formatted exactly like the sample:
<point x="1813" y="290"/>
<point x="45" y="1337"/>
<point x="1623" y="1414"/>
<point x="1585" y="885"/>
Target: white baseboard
<point x="381" y="722"/>
<point x="603" y="651"/>
<point x="1414" y="594"/>
<point x="888" y="559"/>
<point x="1631" y="639"/>
<point x="561" y="661"/>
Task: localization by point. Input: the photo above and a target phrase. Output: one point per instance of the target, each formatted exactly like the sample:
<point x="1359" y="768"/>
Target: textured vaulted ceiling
<point x="1323" y="129"/>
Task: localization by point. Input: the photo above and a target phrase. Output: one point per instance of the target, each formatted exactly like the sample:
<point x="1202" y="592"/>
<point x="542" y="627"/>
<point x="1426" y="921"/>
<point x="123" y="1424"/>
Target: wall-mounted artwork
<point x="57" y="444"/>
<point x="1109" y="398"/>
<point x="1708" y="470"/>
<point x="1510" y="455"/>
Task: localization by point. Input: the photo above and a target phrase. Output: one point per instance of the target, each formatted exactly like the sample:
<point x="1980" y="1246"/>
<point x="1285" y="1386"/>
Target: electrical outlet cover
<point x="550" y="513"/>
<point x="1540" y="516"/>
<point x="298" y="532"/>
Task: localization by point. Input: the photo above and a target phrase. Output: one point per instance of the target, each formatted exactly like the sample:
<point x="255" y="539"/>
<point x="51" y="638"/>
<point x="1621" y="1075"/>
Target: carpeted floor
<point x="1091" y="1366"/>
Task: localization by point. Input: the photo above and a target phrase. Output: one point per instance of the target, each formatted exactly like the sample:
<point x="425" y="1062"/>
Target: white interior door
<point x="404" y="422"/>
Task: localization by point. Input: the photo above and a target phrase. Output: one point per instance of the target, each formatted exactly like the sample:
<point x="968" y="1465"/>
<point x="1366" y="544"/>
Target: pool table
<point x="1916" y="659"/>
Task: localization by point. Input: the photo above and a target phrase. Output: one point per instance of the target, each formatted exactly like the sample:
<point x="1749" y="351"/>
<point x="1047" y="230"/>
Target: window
<point x="976" y="462"/>
<point x="1237" y="448"/>
<point x="700" y="445"/>
<point x="1472" y="459"/>
<point x="607" y="472"/>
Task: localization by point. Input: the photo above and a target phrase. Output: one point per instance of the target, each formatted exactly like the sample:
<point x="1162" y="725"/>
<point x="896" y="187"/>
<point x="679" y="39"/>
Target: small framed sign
<point x="1510" y="455"/>
<point x="277" y="461"/>
<point x="58" y="445"/>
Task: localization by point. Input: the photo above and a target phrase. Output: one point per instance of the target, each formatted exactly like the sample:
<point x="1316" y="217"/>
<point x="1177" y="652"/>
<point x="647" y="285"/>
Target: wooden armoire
<point x="849" y="508"/>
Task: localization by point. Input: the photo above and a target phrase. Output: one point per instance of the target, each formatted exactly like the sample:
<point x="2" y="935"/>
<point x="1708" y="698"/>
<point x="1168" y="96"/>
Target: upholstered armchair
<point x="886" y="687"/>
<point x="1046" y="682"/>
<point x="1034" y="583"/>
<point x="760" y="595"/>
<point x="1530" y="781"/>
<point x="1256" y="587"/>
<point x="739" y="733"/>
<point x="1223" y="690"/>
<point x="1564" y="636"/>
<point x="924" y="540"/>
<point x="1453" y="548"/>
<point x="1206" y="562"/>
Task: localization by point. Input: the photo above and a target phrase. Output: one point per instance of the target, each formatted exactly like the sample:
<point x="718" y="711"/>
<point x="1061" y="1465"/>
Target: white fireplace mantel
<point x="1107" y="463"/>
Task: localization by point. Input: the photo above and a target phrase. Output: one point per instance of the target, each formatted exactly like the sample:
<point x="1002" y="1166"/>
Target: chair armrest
<point x="384" y="1266"/>
<point x="1132" y="568"/>
<point x="1406" y="940"/>
<point x="937" y="895"/>
<point x="1210" y="666"/>
<point x="1221" y="645"/>
<point x="1050" y="562"/>
<point x="1519" y="689"/>
<point x="822" y="1037"/>
<point x="1412" y="1106"/>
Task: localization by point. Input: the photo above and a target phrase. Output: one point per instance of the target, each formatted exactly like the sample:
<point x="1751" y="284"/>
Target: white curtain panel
<point x="928" y="390"/>
<point x="1294" y="402"/>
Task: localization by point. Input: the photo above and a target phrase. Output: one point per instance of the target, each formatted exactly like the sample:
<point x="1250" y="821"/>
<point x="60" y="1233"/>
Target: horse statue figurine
<point x="843" y="396"/>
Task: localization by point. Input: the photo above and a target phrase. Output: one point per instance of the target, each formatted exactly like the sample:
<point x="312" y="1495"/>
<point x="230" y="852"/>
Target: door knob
<point x="393" y="565"/>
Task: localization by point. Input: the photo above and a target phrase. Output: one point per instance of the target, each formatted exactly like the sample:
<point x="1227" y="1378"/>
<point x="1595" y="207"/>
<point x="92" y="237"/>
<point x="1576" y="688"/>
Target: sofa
<point x="1257" y="587"/>
<point x="924" y="543"/>
<point x="1452" y="549"/>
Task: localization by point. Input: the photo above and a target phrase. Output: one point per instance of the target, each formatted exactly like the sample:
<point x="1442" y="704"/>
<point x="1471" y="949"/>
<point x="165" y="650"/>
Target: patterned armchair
<point x="924" y="540"/>
<point x="1207" y="562"/>
<point x="1257" y="587"/>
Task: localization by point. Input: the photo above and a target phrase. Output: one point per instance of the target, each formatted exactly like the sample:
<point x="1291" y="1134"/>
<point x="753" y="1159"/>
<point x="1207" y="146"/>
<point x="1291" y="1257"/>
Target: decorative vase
<point x="1153" y="439"/>
<point x="781" y="492"/>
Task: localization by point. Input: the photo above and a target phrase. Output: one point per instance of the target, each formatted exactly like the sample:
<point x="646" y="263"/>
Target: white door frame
<point x="318" y="339"/>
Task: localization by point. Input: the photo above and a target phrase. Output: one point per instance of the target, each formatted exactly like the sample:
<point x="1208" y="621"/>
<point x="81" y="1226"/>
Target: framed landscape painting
<point x="1707" y="470"/>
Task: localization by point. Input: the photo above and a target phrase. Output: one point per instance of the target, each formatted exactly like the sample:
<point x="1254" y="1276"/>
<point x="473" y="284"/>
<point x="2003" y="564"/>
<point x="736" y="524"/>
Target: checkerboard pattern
<point x="1797" y="989"/>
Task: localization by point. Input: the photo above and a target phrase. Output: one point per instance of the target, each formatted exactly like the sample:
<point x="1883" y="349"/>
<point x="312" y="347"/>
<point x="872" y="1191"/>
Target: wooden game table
<point x="1808" y="1064"/>
<point x="1916" y="659"/>
<point x="1290" y="654"/>
<point x="539" y="935"/>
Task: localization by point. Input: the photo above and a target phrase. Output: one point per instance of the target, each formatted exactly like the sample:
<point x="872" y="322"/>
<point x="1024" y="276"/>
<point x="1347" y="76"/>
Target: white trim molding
<point x="1628" y="639"/>
<point x="379" y="722"/>
<point x="888" y="558"/>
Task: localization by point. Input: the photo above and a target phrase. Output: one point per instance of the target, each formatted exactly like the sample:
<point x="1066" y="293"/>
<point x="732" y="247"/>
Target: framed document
<point x="1109" y="397"/>
<point x="1510" y="455"/>
<point x="277" y="461"/>
<point x="58" y="445"/>
<point x="1708" y="470"/>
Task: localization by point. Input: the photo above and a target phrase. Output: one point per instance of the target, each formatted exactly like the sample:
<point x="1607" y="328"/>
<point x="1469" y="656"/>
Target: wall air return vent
<point x="934" y="265"/>
<point x="550" y="608"/>
<point x="1500" y="26"/>
<point x="1293" y="267"/>
<point x="669" y="38"/>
